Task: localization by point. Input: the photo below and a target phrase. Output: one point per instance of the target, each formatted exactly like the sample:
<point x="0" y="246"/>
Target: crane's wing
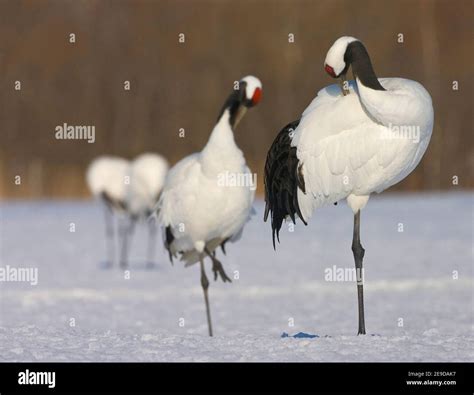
<point x="189" y="194"/>
<point x="342" y="151"/>
<point x="337" y="149"/>
<point x="181" y="186"/>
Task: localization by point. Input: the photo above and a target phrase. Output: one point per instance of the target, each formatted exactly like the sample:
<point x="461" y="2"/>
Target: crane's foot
<point x="217" y="267"/>
<point x="219" y="270"/>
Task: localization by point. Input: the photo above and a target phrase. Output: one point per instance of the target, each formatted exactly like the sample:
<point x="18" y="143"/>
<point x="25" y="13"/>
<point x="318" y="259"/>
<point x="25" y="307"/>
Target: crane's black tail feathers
<point x="283" y="177"/>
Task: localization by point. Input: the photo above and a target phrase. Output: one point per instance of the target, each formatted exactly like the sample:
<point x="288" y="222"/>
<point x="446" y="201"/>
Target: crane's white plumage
<point x="198" y="209"/>
<point x="107" y="174"/>
<point x="347" y="145"/>
<point x="147" y="177"/>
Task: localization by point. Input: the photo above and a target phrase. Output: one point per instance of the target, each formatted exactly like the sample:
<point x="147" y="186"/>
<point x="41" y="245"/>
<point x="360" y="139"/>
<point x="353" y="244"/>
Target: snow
<point x="408" y="276"/>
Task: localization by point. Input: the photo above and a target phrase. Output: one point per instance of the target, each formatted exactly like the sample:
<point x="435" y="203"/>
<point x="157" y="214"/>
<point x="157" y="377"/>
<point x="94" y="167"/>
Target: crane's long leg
<point x="109" y="236"/>
<point x="358" y="252"/>
<point x="126" y="229"/>
<point x="205" y="286"/>
<point x="151" y="242"/>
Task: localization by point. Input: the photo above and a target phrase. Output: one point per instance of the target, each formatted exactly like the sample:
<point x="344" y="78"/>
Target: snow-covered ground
<point x="158" y="315"/>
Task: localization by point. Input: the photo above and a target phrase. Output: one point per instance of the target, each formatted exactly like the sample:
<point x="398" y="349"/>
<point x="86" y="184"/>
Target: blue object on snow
<point x="299" y="335"/>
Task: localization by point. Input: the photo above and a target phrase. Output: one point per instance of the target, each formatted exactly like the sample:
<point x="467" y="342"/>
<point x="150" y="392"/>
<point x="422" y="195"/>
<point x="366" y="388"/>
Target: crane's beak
<point x="344" y="85"/>
<point x="240" y="114"/>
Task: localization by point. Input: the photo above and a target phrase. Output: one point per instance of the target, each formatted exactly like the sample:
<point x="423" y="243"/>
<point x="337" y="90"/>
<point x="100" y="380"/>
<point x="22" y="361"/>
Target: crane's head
<point x="338" y="58"/>
<point x="251" y="91"/>
<point x="247" y="93"/>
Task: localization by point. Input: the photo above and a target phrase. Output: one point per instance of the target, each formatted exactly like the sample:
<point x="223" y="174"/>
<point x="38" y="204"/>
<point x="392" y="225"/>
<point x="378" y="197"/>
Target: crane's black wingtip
<point x="283" y="177"/>
<point x="267" y="211"/>
<point x="273" y="240"/>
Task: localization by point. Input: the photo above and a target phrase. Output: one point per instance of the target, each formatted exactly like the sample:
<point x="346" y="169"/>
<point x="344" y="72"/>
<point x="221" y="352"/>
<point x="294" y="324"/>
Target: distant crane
<point x="147" y="177"/>
<point x="198" y="209"/>
<point x="129" y="190"/>
<point x="347" y="145"/>
<point x="107" y="178"/>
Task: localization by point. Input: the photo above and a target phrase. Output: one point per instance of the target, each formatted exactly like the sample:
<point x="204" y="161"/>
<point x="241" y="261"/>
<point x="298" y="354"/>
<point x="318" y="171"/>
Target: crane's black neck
<point x="232" y="104"/>
<point x="357" y="56"/>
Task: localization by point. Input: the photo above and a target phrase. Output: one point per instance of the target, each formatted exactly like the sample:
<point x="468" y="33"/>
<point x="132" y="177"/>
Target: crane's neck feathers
<point x="357" y="56"/>
<point x="234" y="105"/>
<point x="221" y="152"/>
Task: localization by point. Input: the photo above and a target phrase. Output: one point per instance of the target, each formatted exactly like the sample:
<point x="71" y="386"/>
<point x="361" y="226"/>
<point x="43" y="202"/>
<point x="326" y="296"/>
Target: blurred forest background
<point x="183" y="85"/>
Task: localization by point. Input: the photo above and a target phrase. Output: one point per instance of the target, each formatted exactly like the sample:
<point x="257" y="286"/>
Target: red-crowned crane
<point x="107" y="178"/>
<point x="131" y="190"/>
<point x="199" y="210"/>
<point x="147" y="177"/>
<point x="347" y="145"/>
